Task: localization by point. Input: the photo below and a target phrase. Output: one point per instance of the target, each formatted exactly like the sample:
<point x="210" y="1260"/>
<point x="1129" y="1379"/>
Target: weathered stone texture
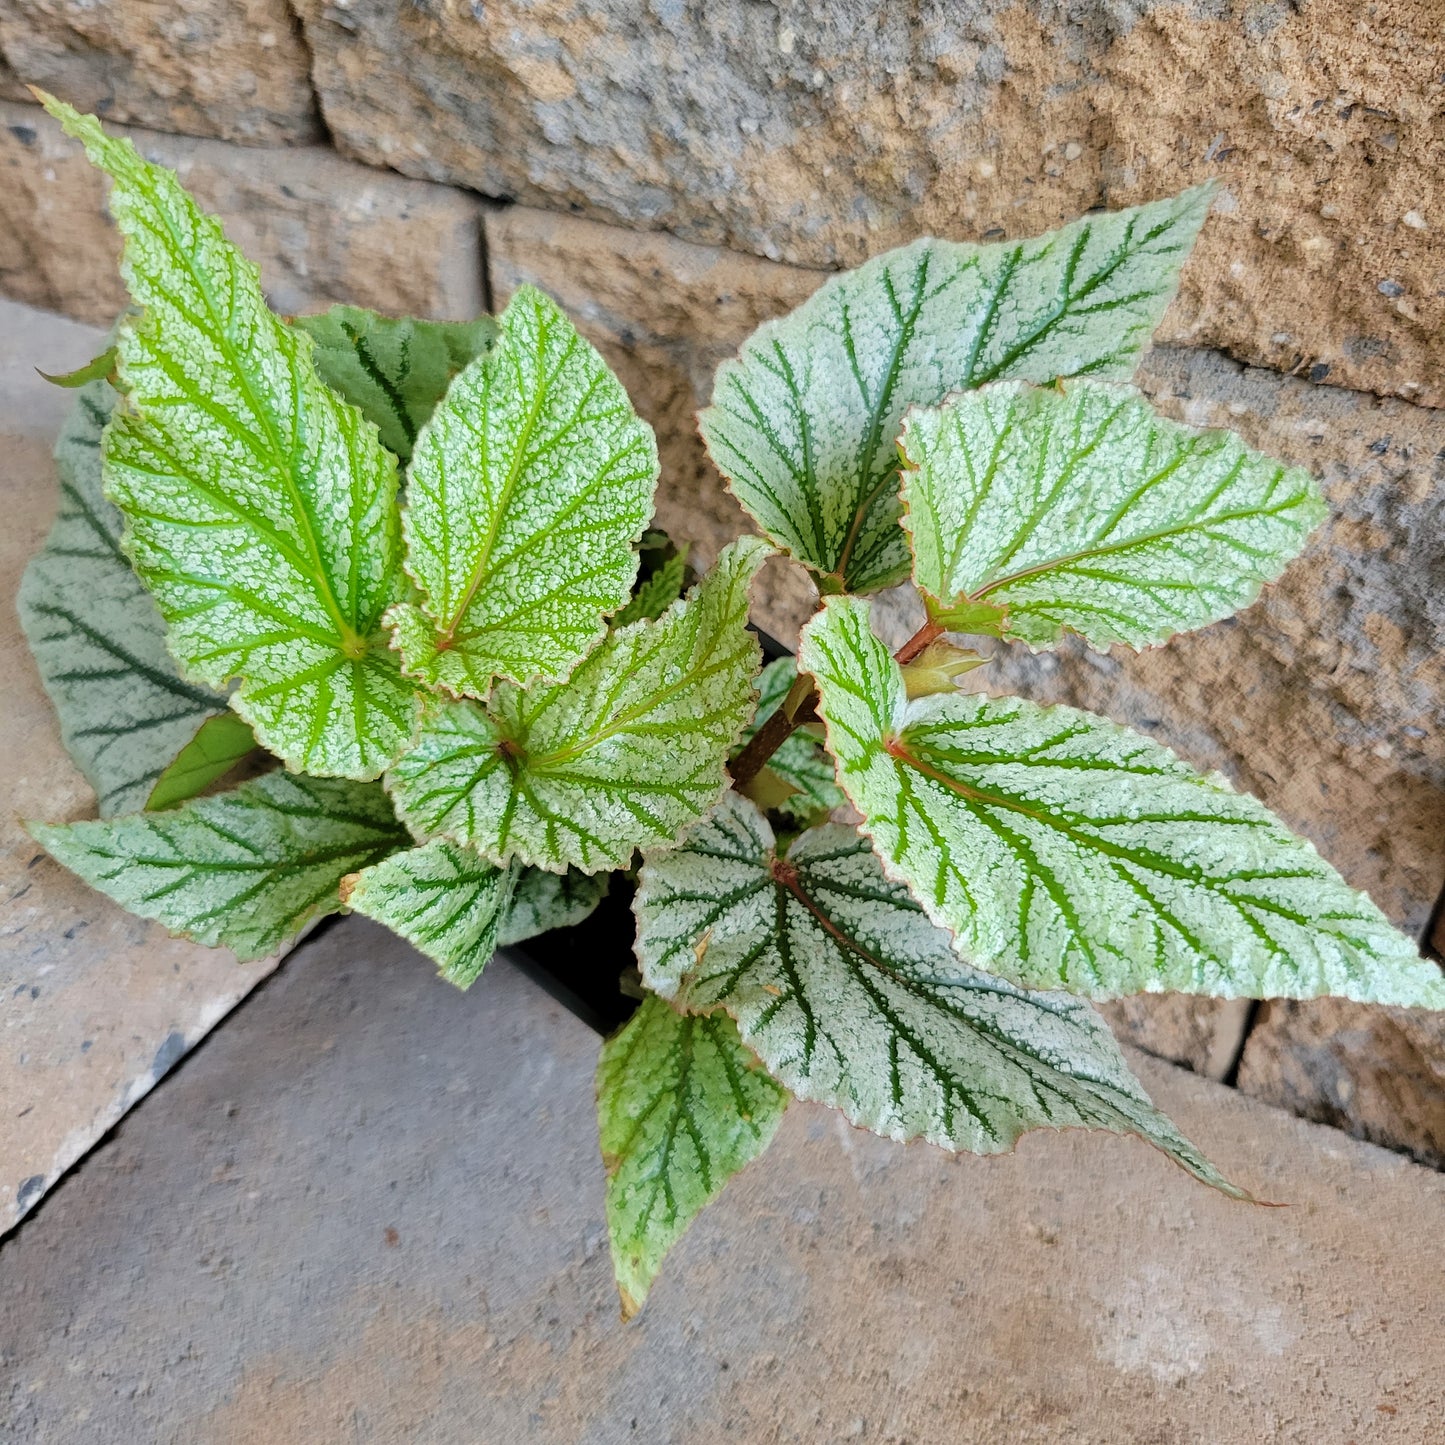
<point x="664" y="313"/>
<point x="822" y="134"/>
<point x="236" y="69"/>
<point x="95" y="1005"/>
<point x="1377" y="1073"/>
<point x="1205" y="1035"/>
<point x="321" y="228"/>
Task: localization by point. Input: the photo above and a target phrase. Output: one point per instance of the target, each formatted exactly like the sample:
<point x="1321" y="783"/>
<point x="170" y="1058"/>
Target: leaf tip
<point x="73" y="122"/>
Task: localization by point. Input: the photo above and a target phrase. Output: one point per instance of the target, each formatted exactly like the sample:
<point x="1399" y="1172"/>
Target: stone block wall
<point x="678" y="172"/>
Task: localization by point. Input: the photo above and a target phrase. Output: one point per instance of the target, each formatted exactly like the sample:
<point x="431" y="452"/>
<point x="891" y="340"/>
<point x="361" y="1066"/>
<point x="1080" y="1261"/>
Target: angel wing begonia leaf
<point x="99" y="642"/>
<point x="682" y="1106"/>
<point x="804" y="423"/>
<point x="1080" y="509"/>
<point x="628" y="750"/>
<point x="852" y="998"/>
<point x="259" y="507"/>
<point x="245" y="870"/>
<point x="1065" y="851"/>
<point x="527" y="491"/>
<point x="395" y="369"/>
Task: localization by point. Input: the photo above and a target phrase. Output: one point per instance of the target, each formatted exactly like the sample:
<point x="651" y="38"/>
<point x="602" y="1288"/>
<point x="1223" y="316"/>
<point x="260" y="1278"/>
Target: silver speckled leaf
<point x="1080" y="509"/>
<point x="852" y="998"/>
<point x="627" y="751"/>
<point x="446" y="901"/>
<point x="260" y="508"/>
<point x="542" y="901"/>
<point x="804" y="423"/>
<point x="245" y="870"/>
<point x="1065" y="851"/>
<point x="681" y="1107"/>
<point x="527" y="491"/>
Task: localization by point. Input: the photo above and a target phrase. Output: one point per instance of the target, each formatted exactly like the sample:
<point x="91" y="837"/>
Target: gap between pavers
<point x="370" y="1209"/>
<point x="95" y="1005"/>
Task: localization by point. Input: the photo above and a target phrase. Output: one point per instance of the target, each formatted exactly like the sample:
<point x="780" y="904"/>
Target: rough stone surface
<point x="1377" y="1073"/>
<point x="322" y="229"/>
<point x="822" y="134"/>
<point x="1205" y="1035"/>
<point x="664" y="313"/>
<point x="236" y="69"/>
<point x="95" y="1006"/>
<point x="370" y="1210"/>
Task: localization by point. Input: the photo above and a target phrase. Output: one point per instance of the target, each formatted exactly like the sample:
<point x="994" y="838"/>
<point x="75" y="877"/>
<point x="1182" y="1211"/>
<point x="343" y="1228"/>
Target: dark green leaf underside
<point x="393" y="369"/>
<point x="221" y="744"/>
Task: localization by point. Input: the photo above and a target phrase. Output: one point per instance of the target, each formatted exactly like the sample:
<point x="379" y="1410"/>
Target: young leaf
<point x="260" y="508"/>
<point x="1065" y="851"/>
<point x="1082" y="509"/>
<point x="681" y="1106"/>
<point x="542" y="901"/>
<point x="98" y="640"/>
<point x="800" y="761"/>
<point x="662" y="577"/>
<point x="805" y="421"/>
<point x="527" y="491"/>
<point x="395" y="370"/>
<point x="852" y="998"/>
<point x="98" y="368"/>
<point x="221" y="743"/>
<point x="446" y="901"/>
<point x="245" y="870"/>
<point x="620" y="756"/>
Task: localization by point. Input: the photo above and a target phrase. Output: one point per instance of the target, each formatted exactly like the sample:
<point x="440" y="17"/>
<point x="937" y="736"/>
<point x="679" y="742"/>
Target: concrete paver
<point x="370" y="1210"/>
<point x="95" y="1005"/>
